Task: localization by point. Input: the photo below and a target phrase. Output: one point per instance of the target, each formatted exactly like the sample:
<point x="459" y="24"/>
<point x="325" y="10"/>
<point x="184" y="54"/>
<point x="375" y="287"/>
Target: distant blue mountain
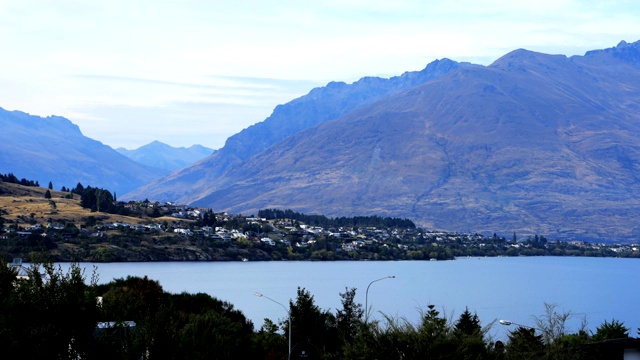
<point x="160" y="155"/>
<point x="53" y="149"/>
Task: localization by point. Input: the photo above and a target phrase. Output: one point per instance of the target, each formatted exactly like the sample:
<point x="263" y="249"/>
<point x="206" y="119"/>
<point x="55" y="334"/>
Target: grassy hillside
<point x="27" y="205"/>
<point x="86" y="237"/>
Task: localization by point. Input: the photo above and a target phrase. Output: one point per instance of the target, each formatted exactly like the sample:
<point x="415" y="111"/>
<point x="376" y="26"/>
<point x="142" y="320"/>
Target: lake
<point x="510" y="288"/>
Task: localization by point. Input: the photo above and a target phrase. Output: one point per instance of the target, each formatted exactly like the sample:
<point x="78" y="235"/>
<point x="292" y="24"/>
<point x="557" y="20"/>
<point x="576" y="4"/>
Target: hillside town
<point x="168" y="231"/>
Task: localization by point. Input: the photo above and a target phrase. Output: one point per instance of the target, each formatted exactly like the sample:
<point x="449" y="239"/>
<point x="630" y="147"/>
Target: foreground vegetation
<point x="67" y="316"/>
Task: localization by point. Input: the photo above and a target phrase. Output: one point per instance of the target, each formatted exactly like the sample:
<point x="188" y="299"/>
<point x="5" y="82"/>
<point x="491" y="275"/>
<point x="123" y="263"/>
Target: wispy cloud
<point x="168" y="62"/>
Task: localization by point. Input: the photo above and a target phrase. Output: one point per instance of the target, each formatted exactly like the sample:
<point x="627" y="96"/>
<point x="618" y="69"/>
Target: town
<point x="173" y="232"/>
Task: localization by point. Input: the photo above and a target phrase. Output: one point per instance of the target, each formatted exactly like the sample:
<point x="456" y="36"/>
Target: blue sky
<point x="190" y="72"/>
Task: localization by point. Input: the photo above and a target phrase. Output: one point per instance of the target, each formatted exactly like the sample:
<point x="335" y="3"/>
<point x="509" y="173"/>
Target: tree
<point x="311" y="326"/>
<point x="209" y="328"/>
<point x="96" y="199"/>
<point x="47" y="194"/>
<point x="469" y="336"/>
<point x="611" y="330"/>
<point x="553" y="327"/>
<point x="349" y="318"/>
<point x="51" y="316"/>
<point x="434" y="336"/>
<point x="78" y="189"/>
<point x="525" y="344"/>
<point x="467" y="325"/>
<point x="50" y="185"/>
<point x="552" y="324"/>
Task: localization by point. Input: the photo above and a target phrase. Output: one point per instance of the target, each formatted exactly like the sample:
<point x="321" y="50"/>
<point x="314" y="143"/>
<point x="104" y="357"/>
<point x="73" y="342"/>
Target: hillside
<point x="533" y="144"/>
<point x="54" y="149"/>
<point x="27" y="204"/>
<point x="318" y="106"/>
<point x="79" y="239"/>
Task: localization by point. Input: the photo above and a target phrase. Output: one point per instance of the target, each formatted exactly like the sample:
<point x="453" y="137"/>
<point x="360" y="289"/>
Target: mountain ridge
<point x="160" y="155"/>
<point x="533" y="143"/>
<point x="318" y="106"/>
<point x="54" y="149"/>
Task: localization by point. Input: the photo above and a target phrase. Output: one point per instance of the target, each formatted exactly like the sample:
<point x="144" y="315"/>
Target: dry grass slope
<point x="18" y="202"/>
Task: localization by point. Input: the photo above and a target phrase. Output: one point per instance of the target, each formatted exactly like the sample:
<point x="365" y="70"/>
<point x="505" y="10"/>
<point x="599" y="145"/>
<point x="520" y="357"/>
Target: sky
<point x="187" y="72"/>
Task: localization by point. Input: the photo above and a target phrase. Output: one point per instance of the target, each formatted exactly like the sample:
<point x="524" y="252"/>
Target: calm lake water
<point x="514" y="289"/>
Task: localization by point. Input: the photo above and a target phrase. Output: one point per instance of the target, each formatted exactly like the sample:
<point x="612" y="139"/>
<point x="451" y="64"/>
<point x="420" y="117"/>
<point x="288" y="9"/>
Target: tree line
<point x="57" y="315"/>
<point x="321" y="220"/>
<point x="12" y="179"/>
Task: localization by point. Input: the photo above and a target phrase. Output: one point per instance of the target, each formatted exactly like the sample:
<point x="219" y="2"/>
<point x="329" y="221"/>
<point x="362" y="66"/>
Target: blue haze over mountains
<point x="160" y="155"/>
<point x="54" y="149"/>
<point x="533" y="144"/>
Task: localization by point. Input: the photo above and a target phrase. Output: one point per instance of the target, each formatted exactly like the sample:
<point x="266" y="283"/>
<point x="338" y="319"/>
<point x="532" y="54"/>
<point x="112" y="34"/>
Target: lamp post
<point x="288" y="313"/>
<point x="509" y="323"/>
<point x="366" y="297"/>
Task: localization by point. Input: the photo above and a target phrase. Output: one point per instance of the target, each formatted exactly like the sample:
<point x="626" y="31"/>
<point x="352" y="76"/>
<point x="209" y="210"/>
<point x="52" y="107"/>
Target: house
<point x="225" y="236"/>
<point x="215" y="236"/>
<point x="139" y="227"/>
<point x="348" y="247"/>
<point x="266" y="240"/>
<point x="22" y="273"/>
<point x="184" y="231"/>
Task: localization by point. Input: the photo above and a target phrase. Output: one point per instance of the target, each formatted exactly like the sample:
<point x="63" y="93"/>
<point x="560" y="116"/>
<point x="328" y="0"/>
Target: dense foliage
<point x="321" y="220"/>
<point x="11" y="178"/>
<point x="56" y="315"/>
<point x="97" y="199"/>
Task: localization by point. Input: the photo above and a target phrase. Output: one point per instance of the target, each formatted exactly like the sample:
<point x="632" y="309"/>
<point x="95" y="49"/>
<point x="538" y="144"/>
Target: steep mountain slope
<point x="320" y="105"/>
<point x="534" y="143"/>
<point x="53" y="149"/>
<point x="160" y="155"/>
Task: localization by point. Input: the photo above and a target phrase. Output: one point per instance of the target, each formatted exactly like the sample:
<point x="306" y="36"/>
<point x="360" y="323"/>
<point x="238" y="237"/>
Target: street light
<point x="288" y="312"/>
<point x="509" y="323"/>
<point x="366" y="298"/>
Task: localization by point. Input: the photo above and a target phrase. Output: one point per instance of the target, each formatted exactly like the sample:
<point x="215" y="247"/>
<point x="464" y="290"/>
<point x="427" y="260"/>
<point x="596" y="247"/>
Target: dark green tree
<point x="349" y="319"/>
<point x="269" y="344"/>
<point x="611" y="330"/>
<point x="49" y="317"/>
<point x="434" y="333"/>
<point x="469" y="337"/>
<point x="525" y="344"/>
<point x="312" y="327"/>
<point x="50" y="185"/>
<point x="78" y="189"/>
<point x="47" y="194"/>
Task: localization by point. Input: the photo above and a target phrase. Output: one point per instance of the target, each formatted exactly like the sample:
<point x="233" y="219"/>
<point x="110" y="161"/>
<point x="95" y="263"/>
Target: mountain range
<point x="531" y="144"/>
<point x="320" y="105"/>
<point x="53" y="149"/>
<point x="160" y="155"/>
